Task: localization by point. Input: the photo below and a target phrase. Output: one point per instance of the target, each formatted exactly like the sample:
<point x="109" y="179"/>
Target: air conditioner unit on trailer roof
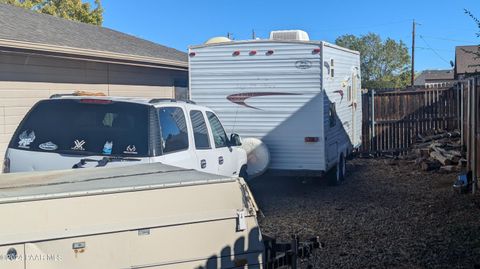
<point x="298" y="35"/>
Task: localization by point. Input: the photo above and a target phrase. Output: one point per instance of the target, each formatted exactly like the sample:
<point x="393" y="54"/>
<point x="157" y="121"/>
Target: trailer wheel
<point x="243" y="173"/>
<point x="337" y="174"/>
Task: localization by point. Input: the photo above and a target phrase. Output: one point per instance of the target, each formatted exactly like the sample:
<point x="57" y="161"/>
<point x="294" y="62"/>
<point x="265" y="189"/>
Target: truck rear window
<point x="85" y="128"/>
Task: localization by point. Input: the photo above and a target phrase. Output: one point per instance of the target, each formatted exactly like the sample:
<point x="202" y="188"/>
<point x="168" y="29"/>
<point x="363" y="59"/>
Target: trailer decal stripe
<point x="240" y="98"/>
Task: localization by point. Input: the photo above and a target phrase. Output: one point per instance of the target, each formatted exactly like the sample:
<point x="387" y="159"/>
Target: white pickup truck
<point x="66" y="132"/>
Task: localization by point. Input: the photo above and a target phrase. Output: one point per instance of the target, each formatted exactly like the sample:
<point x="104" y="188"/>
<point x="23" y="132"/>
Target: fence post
<point x="473" y="133"/>
<point x="461" y="99"/>
<point x="372" y="122"/>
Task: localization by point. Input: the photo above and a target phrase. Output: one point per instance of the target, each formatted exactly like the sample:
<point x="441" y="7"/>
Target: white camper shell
<point x="301" y="97"/>
<point x="141" y="216"/>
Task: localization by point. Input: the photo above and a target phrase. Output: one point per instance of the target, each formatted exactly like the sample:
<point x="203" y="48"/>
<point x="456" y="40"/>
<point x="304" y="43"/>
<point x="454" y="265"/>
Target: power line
<point x="447" y="39"/>
<point x="434" y="51"/>
<point x="367" y="26"/>
<point x="348" y="28"/>
<point x="437" y="49"/>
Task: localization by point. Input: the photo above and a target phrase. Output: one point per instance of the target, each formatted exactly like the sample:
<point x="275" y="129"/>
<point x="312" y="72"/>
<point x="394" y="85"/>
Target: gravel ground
<point x="383" y="216"/>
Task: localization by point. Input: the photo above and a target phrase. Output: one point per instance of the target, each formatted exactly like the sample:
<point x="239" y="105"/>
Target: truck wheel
<point x="337" y="174"/>
<point x="243" y="173"/>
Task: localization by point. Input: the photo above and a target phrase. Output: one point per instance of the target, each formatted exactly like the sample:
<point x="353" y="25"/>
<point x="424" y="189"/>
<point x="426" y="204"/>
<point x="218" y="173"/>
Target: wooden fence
<point x="392" y="119"/>
<point x="470" y="111"/>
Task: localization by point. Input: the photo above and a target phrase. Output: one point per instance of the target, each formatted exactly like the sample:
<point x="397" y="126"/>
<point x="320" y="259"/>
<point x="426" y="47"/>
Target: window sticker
<point x="107" y="148"/>
<point x="26" y="139"/>
<point x="78" y="145"/>
<point x="131" y="149"/>
<point x="48" y="146"/>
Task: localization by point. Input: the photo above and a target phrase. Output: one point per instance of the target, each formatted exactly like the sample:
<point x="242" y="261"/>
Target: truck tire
<point x="337" y="174"/>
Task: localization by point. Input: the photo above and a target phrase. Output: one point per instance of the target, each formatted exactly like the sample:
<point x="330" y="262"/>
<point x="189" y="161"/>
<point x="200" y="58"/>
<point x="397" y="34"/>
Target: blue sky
<point x="180" y="23"/>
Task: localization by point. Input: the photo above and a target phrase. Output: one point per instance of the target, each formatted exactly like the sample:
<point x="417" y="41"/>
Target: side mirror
<point x="235" y="140"/>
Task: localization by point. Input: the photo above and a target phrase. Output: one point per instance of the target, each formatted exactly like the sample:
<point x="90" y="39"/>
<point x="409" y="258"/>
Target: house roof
<point x="432" y="76"/>
<point x="26" y="29"/>
<point x="467" y="59"/>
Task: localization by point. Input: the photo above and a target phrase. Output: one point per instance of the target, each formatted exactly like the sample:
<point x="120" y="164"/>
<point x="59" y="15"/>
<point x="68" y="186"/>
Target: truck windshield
<point x="85" y="127"/>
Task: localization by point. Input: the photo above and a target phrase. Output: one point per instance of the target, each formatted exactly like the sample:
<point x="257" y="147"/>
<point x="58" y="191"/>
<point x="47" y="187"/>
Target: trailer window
<point x="349" y="93"/>
<point x="354" y="87"/>
<point x="332" y="115"/>
<point x="332" y="68"/>
<point x="173" y="129"/>
<point x="200" y="131"/>
<point x="219" y="135"/>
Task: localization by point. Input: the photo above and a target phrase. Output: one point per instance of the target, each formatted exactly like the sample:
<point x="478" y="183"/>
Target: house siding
<point x="26" y="79"/>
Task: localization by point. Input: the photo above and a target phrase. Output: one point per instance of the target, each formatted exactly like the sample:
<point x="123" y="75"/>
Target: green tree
<point x="477" y="22"/>
<point x="384" y="63"/>
<point x="475" y="19"/>
<point x="69" y="9"/>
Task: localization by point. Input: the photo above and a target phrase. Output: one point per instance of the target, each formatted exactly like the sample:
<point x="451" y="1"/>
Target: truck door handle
<point x="220" y="160"/>
<point x="203" y="164"/>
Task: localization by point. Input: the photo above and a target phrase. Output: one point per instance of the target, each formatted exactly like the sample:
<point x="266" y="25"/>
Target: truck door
<point x="176" y="148"/>
<point x="206" y="154"/>
<point x="225" y="156"/>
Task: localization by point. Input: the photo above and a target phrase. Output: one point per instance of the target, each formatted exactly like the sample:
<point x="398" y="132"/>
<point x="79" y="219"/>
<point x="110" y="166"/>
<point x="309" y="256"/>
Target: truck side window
<point x="200" y="131"/>
<point x="219" y="135"/>
<point x="173" y="128"/>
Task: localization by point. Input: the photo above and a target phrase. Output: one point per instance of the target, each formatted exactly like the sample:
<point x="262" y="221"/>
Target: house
<point x="42" y="55"/>
<point x="467" y="61"/>
<point x="435" y="78"/>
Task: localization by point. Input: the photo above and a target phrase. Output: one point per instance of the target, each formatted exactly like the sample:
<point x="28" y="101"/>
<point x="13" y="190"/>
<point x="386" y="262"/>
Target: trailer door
<point x="353" y="95"/>
<point x="353" y="106"/>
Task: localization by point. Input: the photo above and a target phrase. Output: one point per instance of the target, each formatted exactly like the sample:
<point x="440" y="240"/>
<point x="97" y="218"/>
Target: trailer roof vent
<point x="218" y="39"/>
<point x="298" y="35"/>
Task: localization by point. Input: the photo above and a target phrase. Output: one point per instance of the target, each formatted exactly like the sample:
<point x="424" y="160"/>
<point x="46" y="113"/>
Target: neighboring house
<point x="435" y="79"/>
<point x="467" y="61"/>
<point x="41" y="55"/>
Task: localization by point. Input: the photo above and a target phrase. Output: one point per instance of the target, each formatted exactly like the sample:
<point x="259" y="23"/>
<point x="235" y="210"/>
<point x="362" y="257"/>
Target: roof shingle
<point x="434" y="76"/>
<point x="467" y="59"/>
<point x="19" y="24"/>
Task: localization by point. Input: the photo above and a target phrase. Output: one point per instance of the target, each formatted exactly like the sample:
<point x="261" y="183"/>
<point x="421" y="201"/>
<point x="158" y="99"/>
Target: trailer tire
<point x="243" y="173"/>
<point x="337" y="174"/>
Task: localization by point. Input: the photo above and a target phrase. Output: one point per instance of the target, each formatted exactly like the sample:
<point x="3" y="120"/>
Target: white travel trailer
<point x="141" y="216"/>
<point x="301" y="97"/>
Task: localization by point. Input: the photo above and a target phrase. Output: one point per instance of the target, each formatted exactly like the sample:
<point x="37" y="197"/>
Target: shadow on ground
<point x="383" y="216"/>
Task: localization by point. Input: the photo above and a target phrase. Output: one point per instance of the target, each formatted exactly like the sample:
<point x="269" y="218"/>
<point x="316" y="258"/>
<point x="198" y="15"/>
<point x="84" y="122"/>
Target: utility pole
<point x="253" y="34"/>
<point x="413" y="54"/>
<point x="229" y="35"/>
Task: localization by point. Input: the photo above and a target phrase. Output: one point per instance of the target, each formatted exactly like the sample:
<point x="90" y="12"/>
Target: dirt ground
<point x="383" y="216"/>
